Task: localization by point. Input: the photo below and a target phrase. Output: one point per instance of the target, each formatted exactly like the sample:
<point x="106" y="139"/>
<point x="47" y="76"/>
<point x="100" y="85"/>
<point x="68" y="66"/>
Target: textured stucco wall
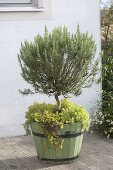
<point x="65" y="12"/>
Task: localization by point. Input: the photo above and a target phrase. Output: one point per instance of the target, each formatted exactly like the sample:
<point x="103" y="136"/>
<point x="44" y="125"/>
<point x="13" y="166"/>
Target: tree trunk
<point x="58" y="102"/>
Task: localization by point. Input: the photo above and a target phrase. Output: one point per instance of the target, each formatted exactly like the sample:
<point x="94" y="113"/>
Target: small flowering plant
<point x="52" y="122"/>
<point x="103" y="118"/>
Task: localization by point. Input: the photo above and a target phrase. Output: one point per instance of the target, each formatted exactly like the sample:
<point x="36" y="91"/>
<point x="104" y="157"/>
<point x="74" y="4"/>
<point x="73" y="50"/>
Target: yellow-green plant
<point x="52" y="122"/>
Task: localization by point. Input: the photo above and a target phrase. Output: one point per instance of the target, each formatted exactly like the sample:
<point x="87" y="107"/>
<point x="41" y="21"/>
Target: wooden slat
<point x="93" y="161"/>
<point x="73" y="166"/>
<point x="2" y="166"/>
<point x="105" y="159"/>
<point x="96" y="154"/>
<point x="10" y="163"/>
<point x="19" y="157"/>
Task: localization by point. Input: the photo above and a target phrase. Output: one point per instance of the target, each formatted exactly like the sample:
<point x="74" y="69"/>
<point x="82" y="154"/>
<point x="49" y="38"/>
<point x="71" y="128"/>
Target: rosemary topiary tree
<point x="58" y="63"/>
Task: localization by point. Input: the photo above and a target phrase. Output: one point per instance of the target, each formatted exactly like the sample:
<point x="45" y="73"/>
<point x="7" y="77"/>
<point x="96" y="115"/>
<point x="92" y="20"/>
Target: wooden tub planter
<point x="72" y="135"/>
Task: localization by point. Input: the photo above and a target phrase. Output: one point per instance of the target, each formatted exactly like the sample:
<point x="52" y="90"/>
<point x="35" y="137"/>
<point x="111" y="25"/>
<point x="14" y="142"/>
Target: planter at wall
<point x="72" y="135"/>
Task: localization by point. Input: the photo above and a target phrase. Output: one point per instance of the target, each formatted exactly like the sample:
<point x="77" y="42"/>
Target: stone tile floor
<point x="19" y="153"/>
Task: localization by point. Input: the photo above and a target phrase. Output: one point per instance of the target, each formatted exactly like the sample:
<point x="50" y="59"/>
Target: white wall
<point x="12" y="33"/>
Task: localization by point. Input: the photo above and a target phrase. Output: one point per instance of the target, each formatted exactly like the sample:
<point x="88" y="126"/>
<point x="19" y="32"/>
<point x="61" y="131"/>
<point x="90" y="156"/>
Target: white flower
<point x="108" y="136"/>
<point x="105" y="132"/>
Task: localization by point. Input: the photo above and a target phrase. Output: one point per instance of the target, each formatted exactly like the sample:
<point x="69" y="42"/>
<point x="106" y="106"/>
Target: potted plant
<point x="59" y="64"/>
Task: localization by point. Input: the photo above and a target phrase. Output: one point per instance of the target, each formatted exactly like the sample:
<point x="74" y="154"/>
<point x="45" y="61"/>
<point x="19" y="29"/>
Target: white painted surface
<point x="21" y="9"/>
<point x="14" y="1"/>
<point x="12" y="33"/>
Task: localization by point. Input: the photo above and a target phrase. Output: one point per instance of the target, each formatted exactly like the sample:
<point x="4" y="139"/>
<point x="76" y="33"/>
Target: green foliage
<point x="53" y="122"/>
<point x="103" y="117"/>
<point x="76" y="113"/>
<point x="104" y="114"/>
<point x="38" y="108"/>
<point x="58" y="62"/>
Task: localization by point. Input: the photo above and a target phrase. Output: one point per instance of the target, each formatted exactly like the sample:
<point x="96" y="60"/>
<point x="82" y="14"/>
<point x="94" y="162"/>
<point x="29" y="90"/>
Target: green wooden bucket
<point x="72" y="135"/>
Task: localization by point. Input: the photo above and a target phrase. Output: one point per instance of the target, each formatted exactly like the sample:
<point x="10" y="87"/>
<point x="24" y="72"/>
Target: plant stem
<point x="58" y="102"/>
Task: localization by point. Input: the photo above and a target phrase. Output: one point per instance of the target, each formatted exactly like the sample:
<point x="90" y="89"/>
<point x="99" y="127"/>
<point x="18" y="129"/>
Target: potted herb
<point x="58" y="64"/>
